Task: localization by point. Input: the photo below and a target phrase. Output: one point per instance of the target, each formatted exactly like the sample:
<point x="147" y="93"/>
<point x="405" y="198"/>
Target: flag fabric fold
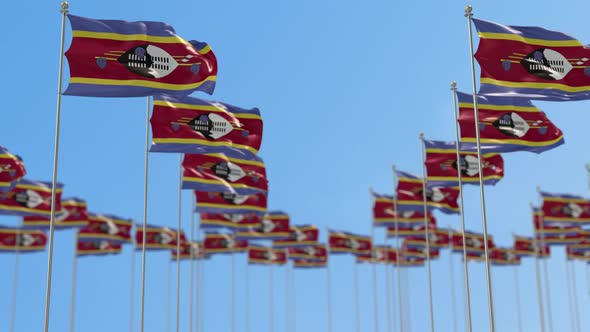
<point x="274" y="226"/>
<point x="525" y="246"/>
<point x="504" y="256"/>
<point x="74" y="213"/>
<point x="30" y="198"/>
<point x="22" y="240"/>
<point x="230" y="221"/>
<point x="566" y="209"/>
<point x="223" y="243"/>
<point x="346" y="242"/>
<point x="189" y="250"/>
<point x="227" y="202"/>
<point x="12" y="169"/>
<point x="474" y="242"/>
<point x="158" y="238"/>
<point x="415" y="229"/>
<point x="299" y="236"/>
<point x="106" y="227"/>
<point x="258" y="255"/>
<point x="311" y="252"/>
<point x="98" y="248"/>
<point x="410" y="195"/>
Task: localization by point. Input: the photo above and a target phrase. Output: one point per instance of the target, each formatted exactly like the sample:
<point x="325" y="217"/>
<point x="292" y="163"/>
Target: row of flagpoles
<point x="220" y="144"/>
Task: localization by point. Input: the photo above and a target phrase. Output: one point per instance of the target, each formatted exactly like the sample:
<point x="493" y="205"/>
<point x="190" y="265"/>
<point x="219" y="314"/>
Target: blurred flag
<point x="299" y="236"/>
<point x="312" y="252"/>
<point x="12" y="169"/>
<point x="266" y="256"/>
<point x="524" y="246"/>
<point x="473" y="242"/>
<point x="22" y="240"/>
<point x="506" y="125"/>
<point x="158" y="237"/>
<point x="531" y="62"/>
<point x="302" y="263"/>
<point x="223" y="243"/>
<point x="345" y="242"/>
<point x="410" y="261"/>
<point x="442" y="170"/>
<point x="111" y="58"/>
<point x="101" y="247"/>
<point x="226" y="202"/>
<point x="419" y="252"/>
<point x="106" y="227"/>
<point x="191" y="125"/>
<point x="475" y="256"/>
<point x="564" y="208"/>
<point x="231" y="221"/>
<point x="74" y="213"/>
<point x="30" y="198"/>
<point x="561" y="235"/>
<point x="384" y="213"/>
<point x="438" y="238"/>
<point x="190" y="250"/>
<point x="582" y="255"/>
<point x="379" y="255"/>
<point x="409" y="193"/>
<point x="415" y="229"/>
<point x="504" y="256"/>
<point x="224" y="173"/>
<point x="274" y="226"/>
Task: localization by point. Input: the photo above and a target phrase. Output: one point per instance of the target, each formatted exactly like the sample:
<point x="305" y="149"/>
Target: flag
<point x="190" y="250"/>
<point x="274" y="226"/>
<point x="191" y="125"/>
<point x="474" y="242"/>
<point x="311" y="252"/>
<point x="101" y="247"/>
<point x="302" y="263"/>
<point x="543" y="229"/>
<point x="74" y="213"/>
<point x="415" y="252"/>
<point x="506" y="125"/>
<point x="531" y="62"/>
<point x="504" y="256"/>
<point x="106" y="227"/>
<point x="524" y="246"/>
<point x="22" y="240"/>
<point x="410" y="261"/>
<point x="224" y="173"/>
<point x="227" y="202"/>
<point x="111" y="58"/>
<point x="231" y="221"/>
<point x="561" y="236"/>
<point x="577" y="255"/>
<point x="30" y="198"/>
<point x="384" y="213"/>
<point x="158" y="237"/>
<point x="345" y="242"/>
<point x="409" y="193"/>
<point x="442" y="170"/>
<point x="415" y="229"/>
<point x="438" y="238"/>
<point x="379" y="255"/>
<point x="476" y="256"/>
<point x="564" y="208"/>
<point x="299" y="236"/>
<point x="266" y="256"/>
<point x="12" y="169"/>
<point x="223" y="243"/>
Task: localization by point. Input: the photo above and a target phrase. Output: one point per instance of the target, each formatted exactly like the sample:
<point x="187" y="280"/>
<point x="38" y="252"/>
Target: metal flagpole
<point x="538" y="275"/>
<point x="517" y="291"/>
<point x="547" y="287"/>
<point x="192" y="267"/>
<point x="453" y="304"/>
<point x="374" y="271"/>
<point x="461" y="209"/>
<point x="469" y="14"/>
<point x="329" y="296"/>
<point x="168" y="298"/>
<point x="427" y="234"/>
<point x="271" y="299"/>
<point x="14" y="283"/>
<point x="575" y="294"/>
<point x="569" y="297"/>
<point x="387" y="288"/>
<point x="287" y="298"/>
<point x="294" y="303"/>
<point x="145" y="208"/>
<point x="132" y="285"/>
<point x="397" y="247"/>
<point x="179" y="226"/>
<point x="233" y="292"/>
<point x="356" y="298"/>
<point x="202" y="295"/>
<point x="74" y="280"/>
<point x="64" y="10"/>
<point x="407" y="300"/>
<point x="247" y="281"/>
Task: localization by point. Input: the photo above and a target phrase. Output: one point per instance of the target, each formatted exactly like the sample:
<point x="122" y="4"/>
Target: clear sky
<point x="344" y="88"/>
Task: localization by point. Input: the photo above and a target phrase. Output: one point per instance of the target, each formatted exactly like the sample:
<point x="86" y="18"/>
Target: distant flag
<point x="100" y="247"/>
<point x="525" y="246"/>
<point x="564" y="208"/>
<point x="438" y="238"/>
<point x="442" y="169"/>
<point x="311" y="252"/>
<point x="475" y="256"/>
<point x="274" y="226"/>
<point x="379" y="255"/>
<point x="474" y="242"/>
<point x="223" y="243"/>
<point x="111" y="58"/>
<point x="409" y="193"/>
<point x="410" y="252"/>
<point x="345" y="242"/>
<point x="582" y="255"/>
<point x="561" y="235"/>
<point x="544" y="229"/>
<point x="226" y="202"/>
<point x="410" y="261"/>
<point x="12" y="169"/>
<point x="506" y="125"/>
<point x="190" y="250"/>
<point x="302" y="263"/>
<point x="504" y="256"/>
<point x="30" y="198"/>
<point x="191" y="125"/>
<point x="22" y="240"/>
<point x="224" y="173"/>
<point x="106" y="227"/>
<point x="384" y="213"/>
<point x="259" y="255"/>
<point x="416" y="229"/>
<point x="229" y="220"/>
<point x="158" y="237"/>
<point x="531" y="62"/>
<point x="300" y="236"/>
<point x="74" y="213"/>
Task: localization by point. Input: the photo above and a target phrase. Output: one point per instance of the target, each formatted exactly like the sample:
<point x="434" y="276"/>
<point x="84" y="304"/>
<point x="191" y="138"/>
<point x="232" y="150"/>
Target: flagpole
<point x="202" y="294"/>
<point x="192" y="267"/>
<point x="461" y="209"/>
<point x="426" y="234"/>
<point x="74" y="281"/>
<point x="287" y="298"/>
<point x="398" y="251"/>
<point x="329" y="295"/>
<point x="547" y="287"/>
<point x="356" y="298"/>
<point x="271" y="299"/>
<point x="168" y="298"/>
<point x="407" y="299"/>
<point x="387" y="288"/>
<point x="453" y="304"/>
<point x="64" y="10"/>
<point x="247" y="281"/>
<point x="569" y="296"/>
<point x="575" y="294"/>
<point x="538" y="274"/>
<point x="294" y="303"/>
<point x="14" y="283"/>
<point x="179" y="225"/>
<point x="469" y="14"/>
<point x="517" y="289"/>
<point x="132" y="285"/>
<point x="145" y="208"/>
<point x="233" y="292"/>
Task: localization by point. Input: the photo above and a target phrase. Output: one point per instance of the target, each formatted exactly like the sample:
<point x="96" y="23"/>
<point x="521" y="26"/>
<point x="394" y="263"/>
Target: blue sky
<point x="313" y="68"/>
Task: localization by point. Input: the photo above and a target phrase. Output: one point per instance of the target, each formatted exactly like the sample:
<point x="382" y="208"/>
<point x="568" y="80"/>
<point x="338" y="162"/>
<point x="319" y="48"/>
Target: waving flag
<point x="582" y="255"/>
<point x="302" y="263"/>
<point x="300" y="236"/>
<point x="506" y="125"/>
<point x="415" y="252"/>
<point x="410" y="261"/>
<point x="274" y="226"/>
<point x="111" y="58"/>
<point x="524" y="246"/>
<point x="561" y="235"/>
<point x="231" y="221"/>
<point x="475" y="256"/>
<point x="345" y="242"/>
<point x="266" y="256"/>
<point x="416" y="229"/>
<point x="190" y="250"/>
<point x="442" y="170"/>
<point x="563" y="208"/>
<point x="191" y="125"/>
<point x="438" y="238"/>
<point x="410" y="197"/>
<point x="30" y="198"/>
<point x="504" y="256"/>
<point x="226" y="202"/>
<point x="312" y="252"/>
<point x="473" y="242"/>
<point x="384" y="213"/>
<point x="94" y="248"/>
<point x="224" y="173"/>
<point x="22" y="240"/>
<point x="531" y="62"/>
<point x="379" y="255"/>
<point x="106" y="227"/>
<point x="158" y="237"/>
<point x="73" y="213"/>
<point x="223" y="243"/>
<point x="12" y="170"/>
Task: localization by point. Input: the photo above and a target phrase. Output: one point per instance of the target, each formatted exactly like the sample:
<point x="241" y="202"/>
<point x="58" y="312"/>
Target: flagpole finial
<point x="393" y="167"/>
<point x="588" y="167"/>
<point x="538" y="189"/>
<point x="468" y="11"/>
<point x="64" y="7"/>
<point x="453" y="85"/>
<point x="421" y="135"/>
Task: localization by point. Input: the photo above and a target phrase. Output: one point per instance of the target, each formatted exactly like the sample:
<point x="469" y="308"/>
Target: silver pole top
<point x="453" y="85"/>
<point x="468" y="11"/>
<point x="588" y="167"/>
<point x="421" y="135"/>
<point x="64" y="7"/>
<point x="393" y="167"/>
